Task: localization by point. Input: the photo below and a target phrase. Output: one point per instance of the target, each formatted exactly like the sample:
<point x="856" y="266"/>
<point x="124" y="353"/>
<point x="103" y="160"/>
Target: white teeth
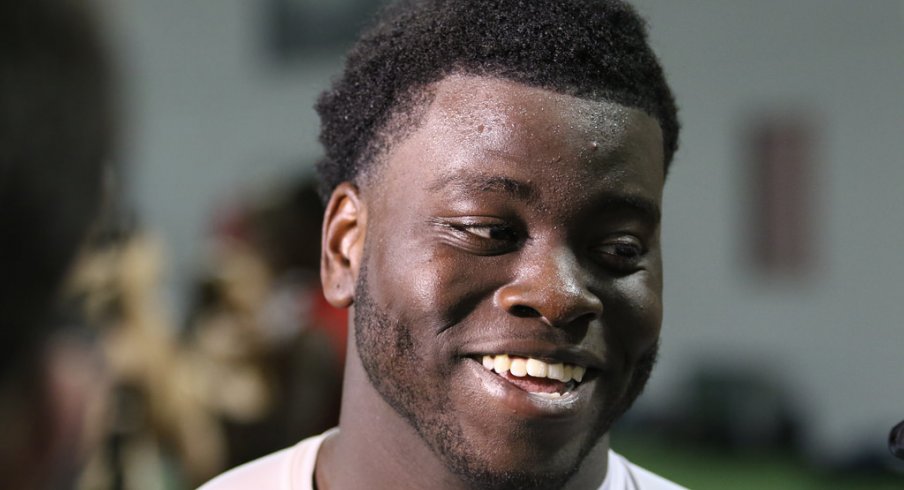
<point x="536" y="368"/>
<point x="488" y="362"/>
<point x="520" y="367"/>
<point x="578" y="373"/>
<point x="501" y="364"/>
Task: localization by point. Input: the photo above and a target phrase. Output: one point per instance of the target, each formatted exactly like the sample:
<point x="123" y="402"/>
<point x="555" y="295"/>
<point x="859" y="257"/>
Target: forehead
<point x="460" y="100"/>
<point x="477" y="124"/>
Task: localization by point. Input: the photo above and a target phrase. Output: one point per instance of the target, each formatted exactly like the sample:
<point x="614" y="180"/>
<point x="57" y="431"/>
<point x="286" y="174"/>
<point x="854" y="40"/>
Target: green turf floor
<point x="701" y="468"/>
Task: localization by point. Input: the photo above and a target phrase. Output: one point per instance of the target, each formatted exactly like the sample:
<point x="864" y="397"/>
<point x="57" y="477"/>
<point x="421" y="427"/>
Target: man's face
<point x="519" y="222"/>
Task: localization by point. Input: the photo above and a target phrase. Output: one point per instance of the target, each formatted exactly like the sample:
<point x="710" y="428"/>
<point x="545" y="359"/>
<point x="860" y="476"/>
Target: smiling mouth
<point x="540" y="378"/>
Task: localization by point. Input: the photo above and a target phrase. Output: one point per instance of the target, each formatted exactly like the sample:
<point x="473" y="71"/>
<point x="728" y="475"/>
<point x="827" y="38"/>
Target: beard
<point x="394" y="365"/>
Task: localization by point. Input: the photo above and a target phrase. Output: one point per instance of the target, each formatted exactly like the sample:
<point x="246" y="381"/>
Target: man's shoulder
<point x="625" y="475"/>
<point x="289" y="469"/>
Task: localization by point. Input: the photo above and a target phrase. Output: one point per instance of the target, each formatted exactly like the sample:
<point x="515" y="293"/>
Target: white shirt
<point x="293" y="469"/>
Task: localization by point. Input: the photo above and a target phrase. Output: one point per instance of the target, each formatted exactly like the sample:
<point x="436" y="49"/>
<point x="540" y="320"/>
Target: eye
<point x="490" y="232"/>
<point x="622" y="253"/>
<point x="480" y="235"/>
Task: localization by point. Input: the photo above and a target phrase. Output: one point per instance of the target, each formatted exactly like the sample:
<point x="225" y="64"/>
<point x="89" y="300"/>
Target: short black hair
<point x="56" y="133"/>
<point x="596" y="49"/>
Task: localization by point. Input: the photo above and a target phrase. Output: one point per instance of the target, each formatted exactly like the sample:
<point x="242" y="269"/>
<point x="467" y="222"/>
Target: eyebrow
<point x="483" y="183"/>
<point x="475" y="183"/>
<point x="647" y="208"/>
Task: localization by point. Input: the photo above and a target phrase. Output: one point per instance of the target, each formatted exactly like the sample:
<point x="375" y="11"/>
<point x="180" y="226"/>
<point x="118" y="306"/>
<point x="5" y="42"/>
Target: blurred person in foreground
<point x="56" y="134"/>
<point x="495" y="174"/>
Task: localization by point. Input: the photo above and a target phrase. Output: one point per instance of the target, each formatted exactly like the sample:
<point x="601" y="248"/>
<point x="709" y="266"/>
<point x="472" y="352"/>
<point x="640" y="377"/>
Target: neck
<point x="386" y="451"/>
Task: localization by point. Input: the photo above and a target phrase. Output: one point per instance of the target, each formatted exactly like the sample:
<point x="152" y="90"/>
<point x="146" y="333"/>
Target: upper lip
<point x="543" y="351"/>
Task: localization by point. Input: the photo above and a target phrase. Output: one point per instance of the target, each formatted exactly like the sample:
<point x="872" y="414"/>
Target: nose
<point x="553" y="287"/>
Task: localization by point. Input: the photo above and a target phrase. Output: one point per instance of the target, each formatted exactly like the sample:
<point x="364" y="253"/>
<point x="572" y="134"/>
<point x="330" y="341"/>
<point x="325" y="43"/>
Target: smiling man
<point x="495" y="173"/>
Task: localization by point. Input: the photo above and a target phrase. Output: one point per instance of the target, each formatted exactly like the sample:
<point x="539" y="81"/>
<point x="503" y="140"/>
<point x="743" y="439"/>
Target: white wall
<point x="210" y="113"/>
<point x="837" y="337"/>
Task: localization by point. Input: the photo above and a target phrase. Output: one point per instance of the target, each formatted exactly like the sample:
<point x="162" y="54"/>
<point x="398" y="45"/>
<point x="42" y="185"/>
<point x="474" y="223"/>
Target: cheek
<point x="431" y="285"/>
<point x="633" y="311"/>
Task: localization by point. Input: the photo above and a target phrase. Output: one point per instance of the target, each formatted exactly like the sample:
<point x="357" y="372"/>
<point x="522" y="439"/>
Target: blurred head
<point x="495" y="172"/>
<point x="55" y="137"/>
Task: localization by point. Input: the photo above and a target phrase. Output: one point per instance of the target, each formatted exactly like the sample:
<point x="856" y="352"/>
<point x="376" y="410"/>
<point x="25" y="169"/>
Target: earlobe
<point x="342" y="244"/>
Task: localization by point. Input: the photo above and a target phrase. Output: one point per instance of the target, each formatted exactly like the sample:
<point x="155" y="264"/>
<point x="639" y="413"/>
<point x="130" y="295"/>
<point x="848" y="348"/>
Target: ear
<point x="344" y="224"/>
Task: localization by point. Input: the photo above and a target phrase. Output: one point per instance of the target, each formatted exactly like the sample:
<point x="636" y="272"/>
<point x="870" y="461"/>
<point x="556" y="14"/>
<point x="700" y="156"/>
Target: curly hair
<point x="595" y="49"/>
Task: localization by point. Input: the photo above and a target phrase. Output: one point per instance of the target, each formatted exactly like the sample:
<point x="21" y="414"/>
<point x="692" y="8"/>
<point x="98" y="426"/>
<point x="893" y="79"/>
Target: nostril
<point x="585" y="319"/>
<point x="522" y="311"/>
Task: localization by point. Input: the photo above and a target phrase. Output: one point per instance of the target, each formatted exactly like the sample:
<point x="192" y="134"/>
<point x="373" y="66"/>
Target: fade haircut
<point x="594" y="49"/>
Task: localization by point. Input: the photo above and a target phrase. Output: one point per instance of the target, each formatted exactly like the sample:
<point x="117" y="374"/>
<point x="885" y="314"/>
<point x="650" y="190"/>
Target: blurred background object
<point x="782" y="188"/>
<point x="257" y="367"/>
<point x="271" y="349"/>
<point x="155" y="429"/>
<point x="896" y="440"/>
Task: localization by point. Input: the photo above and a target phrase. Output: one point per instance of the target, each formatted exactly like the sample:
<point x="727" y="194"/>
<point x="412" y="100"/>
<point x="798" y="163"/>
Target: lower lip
<point x="528" y="405"/>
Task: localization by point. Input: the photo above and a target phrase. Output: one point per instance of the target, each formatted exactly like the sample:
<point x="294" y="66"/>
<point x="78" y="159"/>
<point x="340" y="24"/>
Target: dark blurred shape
<point x="56" y="137"/>
<point x="269" y="346"/>
<point x="739" y="409"/>
<point x="731" y="409"/>
<point x="742" y="417"/>
<point x="896" y="440"/>
<point x="286" y="228"/>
